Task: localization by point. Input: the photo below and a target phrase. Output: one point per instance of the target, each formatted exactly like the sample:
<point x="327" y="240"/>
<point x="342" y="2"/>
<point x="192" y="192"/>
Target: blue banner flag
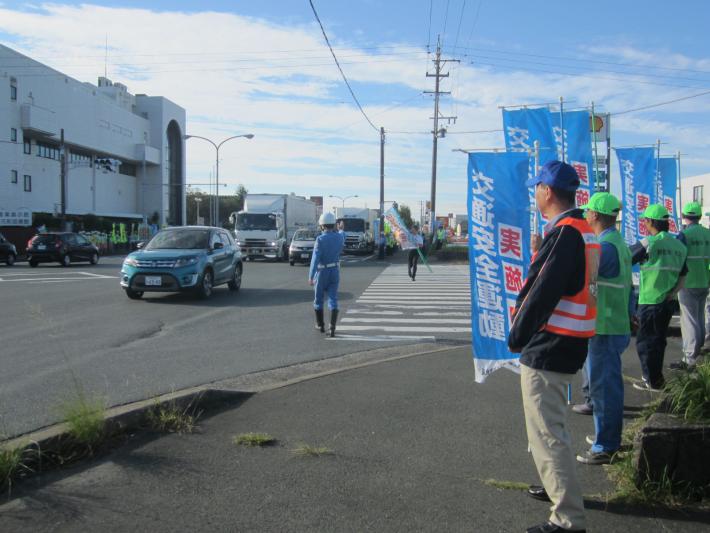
<point x="499" y="253"/>
<point x="668" y="188"/>
<point x="578" y="148"/>
<point x="638" y="175"/>
<point x="522" y="127"/>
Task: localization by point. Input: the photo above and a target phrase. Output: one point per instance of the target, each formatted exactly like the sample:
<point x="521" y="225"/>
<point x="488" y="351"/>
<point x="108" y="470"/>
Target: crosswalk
<point x="394" y="308"/>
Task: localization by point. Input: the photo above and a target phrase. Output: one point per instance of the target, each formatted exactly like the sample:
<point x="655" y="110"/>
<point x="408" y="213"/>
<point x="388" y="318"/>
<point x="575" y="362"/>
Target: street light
<point x="217" y="147"/>
<point x="343" y="199"/>
<point x="198" y="200"/>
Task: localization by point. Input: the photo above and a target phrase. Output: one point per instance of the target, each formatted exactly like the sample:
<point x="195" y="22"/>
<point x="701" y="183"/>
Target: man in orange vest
<point x="554" y="319"/>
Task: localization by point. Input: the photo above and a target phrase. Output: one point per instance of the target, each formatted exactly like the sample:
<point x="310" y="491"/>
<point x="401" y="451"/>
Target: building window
<point x="13" y="135"/>
<point x="13" y="89"/>
<point x="79" y="159"/>
<point x="28" y="183"/>
<point x="127" y="169"/>
<point x="13" y="176"/>
<point x="47" y="150"/>
<point x="698" y="194"/>
<point x="27" y="146"/>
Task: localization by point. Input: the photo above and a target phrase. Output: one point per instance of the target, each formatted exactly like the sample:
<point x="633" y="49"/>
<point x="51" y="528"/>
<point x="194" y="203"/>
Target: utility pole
<point x="63" y="179"/>
<point x="381" y="254"/>
<point x="438" y="64"/>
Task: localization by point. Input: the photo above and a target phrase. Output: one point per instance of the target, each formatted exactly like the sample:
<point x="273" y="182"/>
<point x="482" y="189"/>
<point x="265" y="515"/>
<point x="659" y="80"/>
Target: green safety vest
<point x="613" y="293"/>
<point x="697" y="239"/>
<point x="659" y="274"/>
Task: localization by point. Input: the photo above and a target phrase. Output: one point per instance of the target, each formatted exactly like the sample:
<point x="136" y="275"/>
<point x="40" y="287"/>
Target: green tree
<point x="405" y="214"/>
<point x="231" y="204"/>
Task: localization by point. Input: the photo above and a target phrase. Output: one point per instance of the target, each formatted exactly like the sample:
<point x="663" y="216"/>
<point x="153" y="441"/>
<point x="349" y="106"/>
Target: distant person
<point x="613" y="330"/>
<point x="693" y="295"/>
<point x="413" y="258"/>
<point x="552" y="324"/>
<point x="325" y="270"/>
<point x="663" y="270"/>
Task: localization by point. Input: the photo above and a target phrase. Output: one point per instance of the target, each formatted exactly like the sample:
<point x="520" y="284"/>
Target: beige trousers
<point x="545" y="405"/>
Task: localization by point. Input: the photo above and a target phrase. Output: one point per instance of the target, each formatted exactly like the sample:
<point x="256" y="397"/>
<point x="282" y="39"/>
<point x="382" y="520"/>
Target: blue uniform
<point x="325" y="267"/>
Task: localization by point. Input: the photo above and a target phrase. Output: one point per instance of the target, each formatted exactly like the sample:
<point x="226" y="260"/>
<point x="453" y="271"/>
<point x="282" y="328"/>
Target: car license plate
<point x="305" y="256"/>
<point x="41" y="247"/>
<point x="153" y="281"/>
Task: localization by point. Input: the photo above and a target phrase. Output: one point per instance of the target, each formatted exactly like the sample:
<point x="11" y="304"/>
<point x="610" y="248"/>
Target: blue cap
<point x="556" y="174"/>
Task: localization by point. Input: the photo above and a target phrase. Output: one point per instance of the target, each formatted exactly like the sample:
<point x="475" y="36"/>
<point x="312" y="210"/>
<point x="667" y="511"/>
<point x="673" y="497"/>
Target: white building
<point x="696" y="189"/>
<point x="140" y="138"/>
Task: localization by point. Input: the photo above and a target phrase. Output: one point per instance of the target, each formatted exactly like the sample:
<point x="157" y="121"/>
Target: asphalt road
<point x="69" y="330"/>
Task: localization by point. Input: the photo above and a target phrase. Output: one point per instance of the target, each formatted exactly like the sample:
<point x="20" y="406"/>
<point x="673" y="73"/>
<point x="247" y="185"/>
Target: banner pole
<point x="426" y="263"/>
<point x="562" y="128"/>
<point x="596" y="155"/>
<point x="657" y="184"/>
<point x="680" y="193"/>
<point x="536" y="164"/>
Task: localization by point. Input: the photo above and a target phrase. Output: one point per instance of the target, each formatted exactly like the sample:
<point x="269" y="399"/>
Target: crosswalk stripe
<point x="434" y="329"/>
<point x="408" y="320"/>
<point x="382" y="338"/>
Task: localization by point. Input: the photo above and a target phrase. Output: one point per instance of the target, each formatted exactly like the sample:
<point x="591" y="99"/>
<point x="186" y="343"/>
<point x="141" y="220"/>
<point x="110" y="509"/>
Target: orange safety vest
<point x="576" y="315"/>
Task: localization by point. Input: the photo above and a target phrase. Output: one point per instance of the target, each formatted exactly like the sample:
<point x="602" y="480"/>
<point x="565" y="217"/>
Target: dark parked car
<point x="8" y="252"/>
<point x="190" y="258"/>
<point x="63" y="248"/>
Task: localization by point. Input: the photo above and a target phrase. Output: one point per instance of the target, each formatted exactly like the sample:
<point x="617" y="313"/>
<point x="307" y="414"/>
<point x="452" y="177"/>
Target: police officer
<point x="663" y="269"/>
<point x="695" y="289"/>
<point x="325" y="270"/>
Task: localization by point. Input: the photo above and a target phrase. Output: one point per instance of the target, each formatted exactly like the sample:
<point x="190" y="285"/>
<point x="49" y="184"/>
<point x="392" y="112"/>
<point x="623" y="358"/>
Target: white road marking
<point x="405" y="329"/>
<point x="381" y="338"/>
<point x="408" y="320"/>
<point x="415" y="306"/>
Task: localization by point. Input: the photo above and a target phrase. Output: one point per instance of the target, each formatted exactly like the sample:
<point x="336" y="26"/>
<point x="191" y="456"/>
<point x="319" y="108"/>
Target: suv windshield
<point x="352" y="224"/>
<point x="180" y="239"/>
<point x="305" y="235"/>
<point x="256" y="221"/>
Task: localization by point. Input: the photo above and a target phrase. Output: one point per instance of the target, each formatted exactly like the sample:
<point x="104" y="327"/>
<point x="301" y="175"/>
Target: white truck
<point x="265" y="226"/>
<point x="358" y="227"/>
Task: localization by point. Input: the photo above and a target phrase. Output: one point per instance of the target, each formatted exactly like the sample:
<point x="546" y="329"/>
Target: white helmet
<point x="326" y="219"/>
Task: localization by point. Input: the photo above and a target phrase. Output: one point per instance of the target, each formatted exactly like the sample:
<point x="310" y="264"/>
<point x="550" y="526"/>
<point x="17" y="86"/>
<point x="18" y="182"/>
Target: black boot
<point x="333" y="320"/>
<point x="320" y="324"/>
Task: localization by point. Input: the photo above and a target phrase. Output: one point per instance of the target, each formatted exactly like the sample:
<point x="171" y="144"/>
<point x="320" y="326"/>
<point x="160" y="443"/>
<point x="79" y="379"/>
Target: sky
<point x="263" y="68"/>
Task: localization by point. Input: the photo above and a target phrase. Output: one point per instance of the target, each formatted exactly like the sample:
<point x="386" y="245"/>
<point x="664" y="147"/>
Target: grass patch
<point x="306" y="450"/>
<point x="85" y="419"/>
<point x="505" y="485"/>
<point x="688" y="393"/>
<point x="14" y="462"/>
<point x="169" y="418"/>
<point x="254" y="439"/>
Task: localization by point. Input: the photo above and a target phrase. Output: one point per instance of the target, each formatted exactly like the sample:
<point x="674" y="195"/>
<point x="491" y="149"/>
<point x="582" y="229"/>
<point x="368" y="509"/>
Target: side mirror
<point x="140" y="244"/>
<point x="367" y="225"/>
<point x="218" y="246"/>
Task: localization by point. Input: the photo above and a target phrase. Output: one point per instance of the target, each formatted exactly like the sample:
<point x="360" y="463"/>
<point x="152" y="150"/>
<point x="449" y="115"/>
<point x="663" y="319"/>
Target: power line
<point x="578" y="75"/>
<point x="446" y="19"/>
<point x="428" y="39"/>
<point x="475" y="21"/>
<point x="339" y="68"/>
<point x="659" y="104"/>
<point x="587" y="60"/>
<point x="463" y="7"/>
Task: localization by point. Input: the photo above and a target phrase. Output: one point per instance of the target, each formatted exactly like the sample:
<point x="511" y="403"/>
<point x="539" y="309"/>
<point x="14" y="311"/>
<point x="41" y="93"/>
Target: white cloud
<point x="237" y="74"/>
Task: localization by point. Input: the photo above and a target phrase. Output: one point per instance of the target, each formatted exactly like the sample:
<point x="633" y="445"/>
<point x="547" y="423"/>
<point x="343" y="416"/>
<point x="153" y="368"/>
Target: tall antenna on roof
<point x="106" y="58"/>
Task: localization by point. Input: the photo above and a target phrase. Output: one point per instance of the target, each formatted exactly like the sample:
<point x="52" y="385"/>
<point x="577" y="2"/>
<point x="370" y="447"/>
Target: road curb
<point x="56" y="441"/>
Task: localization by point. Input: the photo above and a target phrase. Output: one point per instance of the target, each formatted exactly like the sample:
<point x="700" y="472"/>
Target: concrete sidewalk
<point x="412" y="440"/>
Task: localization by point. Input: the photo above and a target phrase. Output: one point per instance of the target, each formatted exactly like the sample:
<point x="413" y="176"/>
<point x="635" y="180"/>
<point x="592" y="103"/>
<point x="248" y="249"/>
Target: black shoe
<point x="681" y="365"/>
<point x="538" y="492"/>
<point x="549" y="527"/>
<point x="320" y="324"/>
<point x="333" y="320"/>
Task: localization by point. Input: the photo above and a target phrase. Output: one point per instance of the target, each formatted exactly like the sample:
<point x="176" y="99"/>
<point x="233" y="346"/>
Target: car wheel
<point x="134" y="295"/>
<point x="236" y="282"/>
<point x="10" y="259"/>
<point x="33" y="264"/>
<point x="204" y="290"/>
<point x="65" y="260"/>
<point x="94" y="258"/>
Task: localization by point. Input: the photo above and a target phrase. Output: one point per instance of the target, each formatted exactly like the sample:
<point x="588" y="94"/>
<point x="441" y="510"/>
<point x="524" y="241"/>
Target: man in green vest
<point x="695" y="289"/>
<point x="613" y="330"/>
<point x="663" y="270"/>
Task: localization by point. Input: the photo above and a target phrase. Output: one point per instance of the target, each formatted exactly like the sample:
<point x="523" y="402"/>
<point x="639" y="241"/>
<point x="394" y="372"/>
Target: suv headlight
<point x="186" y="261"/>
<point x="272" y="243"/>
<point x="130" y="261"/>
